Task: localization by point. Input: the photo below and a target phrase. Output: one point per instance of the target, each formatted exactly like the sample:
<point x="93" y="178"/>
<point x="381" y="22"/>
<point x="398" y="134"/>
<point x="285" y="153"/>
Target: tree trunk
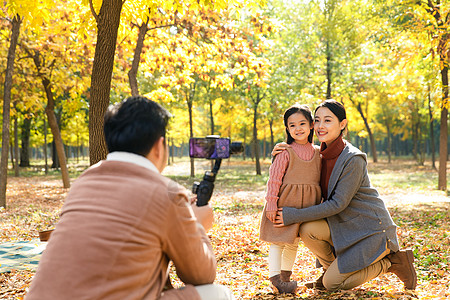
<point x="77" y="148"/>
<point x="415" y="138"/>
<point x="55" y="159"/>
<point x="422" y="150"/>
<point x="272" y="142"/>
<point x="189" y="100"/>
<point x="211" y="118"/>
<point x="389" y="141"/>
<point x="443" y="137"/>
<point x="15" y="30"/>
<point x="420" y="144"/>
<point x="255" y="133"/>
<point x="245" y="142"/>
<point x="171" y="152"/>
<point x="45" y="146"/>
<point x="25" y="137"/>
<point x="52" y="121"/>
<point x="108" y="21"/>
<point x="168" y="149"/>
<point x="16" y="148"/>
<point x="371" y="137"/>
<point x="132" y="74"/>
<point x="50" y="111"/>
<point x="329" y="71"/>
<point x="443" y="50"/>
<point x="211" y="115"/>
<point x="430" y="113"/>
<point x="264" y="145"/>
<point x="11" y="153"/>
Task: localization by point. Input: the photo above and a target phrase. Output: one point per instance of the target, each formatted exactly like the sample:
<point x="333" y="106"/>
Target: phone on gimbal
<point x="210" y="147"/>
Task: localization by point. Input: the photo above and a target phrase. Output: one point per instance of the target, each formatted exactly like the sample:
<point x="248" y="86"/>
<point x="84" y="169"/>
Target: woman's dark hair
<point x="134" y="125"/>
<point x="336" y="108"/>
<point x="306" y="112"/>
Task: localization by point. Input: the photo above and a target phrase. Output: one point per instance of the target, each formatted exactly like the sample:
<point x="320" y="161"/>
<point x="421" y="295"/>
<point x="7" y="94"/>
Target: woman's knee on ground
<point x="334" y="280"/>
<point x="331" y="283"/>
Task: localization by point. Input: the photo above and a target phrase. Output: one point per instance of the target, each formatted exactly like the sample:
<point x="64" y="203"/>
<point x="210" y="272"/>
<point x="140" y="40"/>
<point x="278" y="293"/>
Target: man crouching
<point x="122" y="222"/>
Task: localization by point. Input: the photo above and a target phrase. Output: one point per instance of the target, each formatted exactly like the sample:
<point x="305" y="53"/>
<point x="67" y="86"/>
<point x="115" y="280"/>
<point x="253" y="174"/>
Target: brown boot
<point x="286" y="275"/>
<point x="282" y="287"/>
<point x="318" y="284"/>
<point x="402" y="266"/>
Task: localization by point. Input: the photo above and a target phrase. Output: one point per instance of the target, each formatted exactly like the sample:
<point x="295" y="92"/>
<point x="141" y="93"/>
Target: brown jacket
<point x="119" y="227"/>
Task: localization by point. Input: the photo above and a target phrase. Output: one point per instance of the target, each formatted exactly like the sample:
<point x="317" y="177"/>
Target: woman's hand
<point x="279" y="218"/>
<point x="280" y="147"/>
<point x="271" y="215"/>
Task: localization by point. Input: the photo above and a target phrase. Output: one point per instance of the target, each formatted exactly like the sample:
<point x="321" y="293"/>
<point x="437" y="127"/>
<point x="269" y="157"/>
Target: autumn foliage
<point x="232" y="67"/>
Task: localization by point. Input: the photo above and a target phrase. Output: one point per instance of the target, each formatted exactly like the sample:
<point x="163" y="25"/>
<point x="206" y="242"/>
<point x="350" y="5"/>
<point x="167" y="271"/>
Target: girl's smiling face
<point x="299" y="128"/>
<point x="327" y="125"/>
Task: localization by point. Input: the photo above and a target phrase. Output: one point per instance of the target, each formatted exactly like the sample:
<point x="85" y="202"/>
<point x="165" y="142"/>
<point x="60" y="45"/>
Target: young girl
<point x="293" y="181"/>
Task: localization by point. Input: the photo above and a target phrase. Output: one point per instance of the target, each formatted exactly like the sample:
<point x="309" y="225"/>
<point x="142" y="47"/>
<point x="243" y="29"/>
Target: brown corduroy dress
<point x="300" y="188"/>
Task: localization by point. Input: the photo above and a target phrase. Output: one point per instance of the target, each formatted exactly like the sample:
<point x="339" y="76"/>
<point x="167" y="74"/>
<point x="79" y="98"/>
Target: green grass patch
<point x="234" y="175"/>
<point x="403" y="174"/>
<point x="37" y="169"/>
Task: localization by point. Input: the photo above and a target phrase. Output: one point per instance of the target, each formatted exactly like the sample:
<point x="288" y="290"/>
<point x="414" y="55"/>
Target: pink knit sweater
<point x="279" y="167"/>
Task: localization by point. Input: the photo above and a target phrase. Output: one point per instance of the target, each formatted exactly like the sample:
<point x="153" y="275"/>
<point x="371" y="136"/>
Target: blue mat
<point x="22" y="255"/>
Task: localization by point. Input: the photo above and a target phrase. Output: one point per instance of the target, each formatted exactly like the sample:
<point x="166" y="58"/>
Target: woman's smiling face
<point x="327" y="125"/>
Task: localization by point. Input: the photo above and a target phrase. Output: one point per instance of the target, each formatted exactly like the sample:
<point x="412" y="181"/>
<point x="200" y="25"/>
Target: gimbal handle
<point x="216" y="167"/>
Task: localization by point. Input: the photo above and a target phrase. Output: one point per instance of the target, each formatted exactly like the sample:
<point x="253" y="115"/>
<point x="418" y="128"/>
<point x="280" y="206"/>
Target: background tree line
<point x="224" y="67"/>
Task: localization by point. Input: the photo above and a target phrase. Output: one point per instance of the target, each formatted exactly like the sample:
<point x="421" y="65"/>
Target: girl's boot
<point x="279" y="286"/>
<point x="286" y="275"/>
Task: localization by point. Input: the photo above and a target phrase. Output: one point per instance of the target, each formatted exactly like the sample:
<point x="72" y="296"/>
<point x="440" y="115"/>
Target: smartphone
<point x="210" y="148"/>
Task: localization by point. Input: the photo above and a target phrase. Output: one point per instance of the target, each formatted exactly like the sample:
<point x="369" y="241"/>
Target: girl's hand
<point x="280" y="147"/>
<point x="271" y="215"/>
<point x="279" y="218"/>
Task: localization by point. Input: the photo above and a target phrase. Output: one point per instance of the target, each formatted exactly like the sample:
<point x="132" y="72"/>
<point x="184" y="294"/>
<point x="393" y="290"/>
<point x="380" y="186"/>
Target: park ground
<point x="421" y="212"/>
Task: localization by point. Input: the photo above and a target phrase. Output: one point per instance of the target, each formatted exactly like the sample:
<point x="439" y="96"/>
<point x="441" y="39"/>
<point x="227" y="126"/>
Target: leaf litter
<point x="34" y="204"/>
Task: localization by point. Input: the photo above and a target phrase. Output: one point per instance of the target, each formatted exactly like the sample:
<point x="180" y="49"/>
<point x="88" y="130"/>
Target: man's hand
<point x="279" y="218"/>
<point x="271" y="215"/>
<point x="280" y="147"/>
<point x="204" y="215"/>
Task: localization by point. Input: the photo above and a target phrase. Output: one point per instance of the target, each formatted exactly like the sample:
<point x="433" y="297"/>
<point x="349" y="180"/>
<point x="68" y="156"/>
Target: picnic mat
<point x="21" y="255"/>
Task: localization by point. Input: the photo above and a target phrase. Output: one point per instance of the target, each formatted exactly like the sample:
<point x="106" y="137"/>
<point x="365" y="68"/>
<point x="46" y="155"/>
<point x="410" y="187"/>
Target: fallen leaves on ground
<point x="34" y="204"/>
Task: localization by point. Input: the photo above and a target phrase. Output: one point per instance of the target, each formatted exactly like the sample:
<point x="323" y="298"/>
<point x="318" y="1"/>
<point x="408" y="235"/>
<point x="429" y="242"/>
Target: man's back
<point x="119" y="227"/>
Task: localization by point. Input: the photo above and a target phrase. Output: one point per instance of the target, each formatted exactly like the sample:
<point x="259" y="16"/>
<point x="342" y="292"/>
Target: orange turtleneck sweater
<point x="329" y="156"/>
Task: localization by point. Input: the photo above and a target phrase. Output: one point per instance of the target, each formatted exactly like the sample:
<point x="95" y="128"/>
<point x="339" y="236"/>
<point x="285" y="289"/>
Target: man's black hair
<point x="134" y="125"/>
